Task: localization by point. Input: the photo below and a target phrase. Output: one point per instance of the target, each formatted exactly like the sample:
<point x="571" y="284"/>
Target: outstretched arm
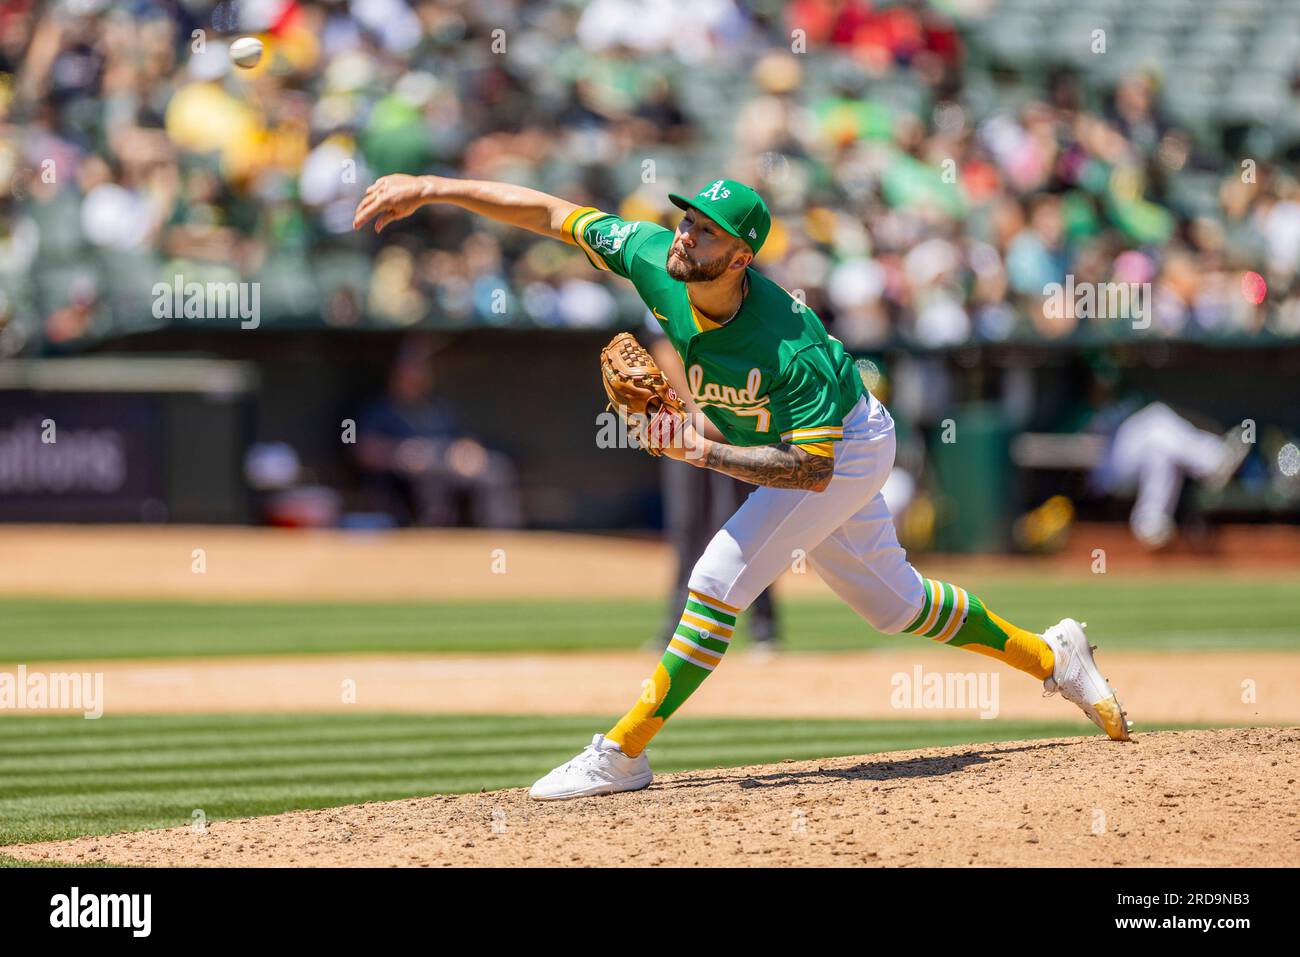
<point x="395" y="197"/>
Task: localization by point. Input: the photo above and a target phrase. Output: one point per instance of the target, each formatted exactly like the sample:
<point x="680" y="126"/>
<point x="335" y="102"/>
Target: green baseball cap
<point x="733" y="206"/>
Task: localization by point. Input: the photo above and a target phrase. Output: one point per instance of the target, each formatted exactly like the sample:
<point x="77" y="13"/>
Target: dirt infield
<point x="1190" y="798"/>
<point x="262" y="564"/>
<point x="1204" y="688"/>
<point x="251" y="564"/>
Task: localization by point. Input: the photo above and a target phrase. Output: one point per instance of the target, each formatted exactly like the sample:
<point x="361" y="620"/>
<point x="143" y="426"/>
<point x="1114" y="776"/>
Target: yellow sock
<point x="702" y="638"/>
<point x="956" y="617"/>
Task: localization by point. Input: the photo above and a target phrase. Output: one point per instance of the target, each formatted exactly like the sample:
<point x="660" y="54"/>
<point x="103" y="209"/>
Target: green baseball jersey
<point x="772" y="374"/>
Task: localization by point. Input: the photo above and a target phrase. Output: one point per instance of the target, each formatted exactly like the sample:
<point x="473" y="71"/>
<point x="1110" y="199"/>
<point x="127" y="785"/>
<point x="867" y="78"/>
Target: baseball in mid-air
<point x="246" y="52"/>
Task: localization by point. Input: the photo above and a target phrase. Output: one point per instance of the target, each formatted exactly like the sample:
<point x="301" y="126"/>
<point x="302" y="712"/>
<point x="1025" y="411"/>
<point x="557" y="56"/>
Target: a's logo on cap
<point x="716" y="192"/>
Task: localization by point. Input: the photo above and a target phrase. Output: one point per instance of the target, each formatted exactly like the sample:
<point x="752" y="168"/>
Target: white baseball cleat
<point x="601" y="768"/>
<point x="1076" y="676"/>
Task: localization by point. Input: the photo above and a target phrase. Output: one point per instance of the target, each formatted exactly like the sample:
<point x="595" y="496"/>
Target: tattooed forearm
<point x="777" y="466"/>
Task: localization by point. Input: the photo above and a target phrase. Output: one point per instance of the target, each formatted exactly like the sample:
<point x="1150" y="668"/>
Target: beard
<point x="684" y="269"/>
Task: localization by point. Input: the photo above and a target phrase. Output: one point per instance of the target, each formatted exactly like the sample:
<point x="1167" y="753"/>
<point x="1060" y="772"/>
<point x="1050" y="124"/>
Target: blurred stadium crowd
<point x="933" y="167"/>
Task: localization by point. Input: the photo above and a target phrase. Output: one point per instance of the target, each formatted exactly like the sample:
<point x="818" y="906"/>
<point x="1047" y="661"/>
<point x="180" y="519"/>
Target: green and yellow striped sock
<point x="702" y="637"/>
<point x="955" y="617"/>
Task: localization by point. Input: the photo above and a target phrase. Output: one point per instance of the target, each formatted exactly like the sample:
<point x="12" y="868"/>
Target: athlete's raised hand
<point x="391" y="198"/>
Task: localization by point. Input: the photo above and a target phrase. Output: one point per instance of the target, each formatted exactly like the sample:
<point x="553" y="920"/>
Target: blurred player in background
<point x="413" y="448"/>
<point x="1151" y="451"/>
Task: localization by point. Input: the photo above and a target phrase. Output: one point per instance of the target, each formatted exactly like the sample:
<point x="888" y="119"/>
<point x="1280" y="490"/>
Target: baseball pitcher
<point x="797" y="422"/>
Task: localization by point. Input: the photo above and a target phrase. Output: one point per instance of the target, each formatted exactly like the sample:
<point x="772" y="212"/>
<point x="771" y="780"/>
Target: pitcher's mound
<point x="1195" y="798"/>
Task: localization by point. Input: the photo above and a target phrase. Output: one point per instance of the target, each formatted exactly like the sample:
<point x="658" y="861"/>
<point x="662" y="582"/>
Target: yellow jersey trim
<point x="822" y="433"/>
<point x="702" y="322"/>
<point x="567" y="228"/>
<point x="575" y="224"/>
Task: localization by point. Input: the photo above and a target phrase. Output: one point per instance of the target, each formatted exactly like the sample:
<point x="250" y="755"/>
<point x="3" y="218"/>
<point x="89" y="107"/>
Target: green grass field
<point x="1190" y="613"/>
<point x="66" y="777"/>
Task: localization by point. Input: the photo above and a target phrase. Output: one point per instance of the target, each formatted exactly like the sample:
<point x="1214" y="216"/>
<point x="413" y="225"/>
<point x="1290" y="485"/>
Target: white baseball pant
<point x="845" y="533"/>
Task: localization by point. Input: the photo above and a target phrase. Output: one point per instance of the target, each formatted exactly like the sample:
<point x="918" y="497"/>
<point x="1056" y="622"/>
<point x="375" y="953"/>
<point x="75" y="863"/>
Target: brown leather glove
<point x="639" y="392"/>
